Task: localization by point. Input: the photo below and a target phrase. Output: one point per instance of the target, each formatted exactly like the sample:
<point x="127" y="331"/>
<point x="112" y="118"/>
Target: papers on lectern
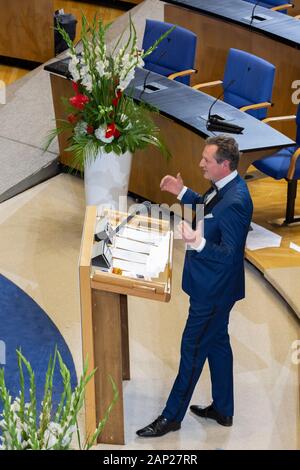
<point x="137" y="234"/>
<point x="135" y="269"/>
<point x="158" y="257"/>
<point x="132" y="256"/>
<point x="131" y="245"/>
<point x="141" y="252"/>
<point x="137" y="251"/>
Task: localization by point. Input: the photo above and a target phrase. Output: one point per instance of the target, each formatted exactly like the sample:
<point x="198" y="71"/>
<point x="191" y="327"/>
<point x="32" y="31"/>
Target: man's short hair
<point x="228" y="149"/>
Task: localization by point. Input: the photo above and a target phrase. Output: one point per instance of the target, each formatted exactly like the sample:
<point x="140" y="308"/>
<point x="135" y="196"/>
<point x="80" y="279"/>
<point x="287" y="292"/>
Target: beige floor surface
<point x="39" y="248"/>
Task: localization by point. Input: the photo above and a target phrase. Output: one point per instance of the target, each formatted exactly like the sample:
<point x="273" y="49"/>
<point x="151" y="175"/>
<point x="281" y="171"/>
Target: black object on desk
<point x="217" y="123"/>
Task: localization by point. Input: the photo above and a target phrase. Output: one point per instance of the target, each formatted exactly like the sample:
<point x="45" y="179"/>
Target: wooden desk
<point x="222" y="25"/>
<point x="104" y="323"/>
<point x="26" y="29"/>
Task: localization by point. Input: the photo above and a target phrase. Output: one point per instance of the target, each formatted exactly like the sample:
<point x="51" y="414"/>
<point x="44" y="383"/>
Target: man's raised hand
<point x="171" y="184"/>
<point x="188" y="235"/>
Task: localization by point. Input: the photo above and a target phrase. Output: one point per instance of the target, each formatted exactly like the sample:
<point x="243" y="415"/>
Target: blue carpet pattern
<point x="23" y="324"/>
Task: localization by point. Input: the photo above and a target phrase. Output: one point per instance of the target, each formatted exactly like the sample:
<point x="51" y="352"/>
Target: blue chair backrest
<point x="175" y="53"/>
<point x="252" y="78"/>
<point x="270" y="3"/>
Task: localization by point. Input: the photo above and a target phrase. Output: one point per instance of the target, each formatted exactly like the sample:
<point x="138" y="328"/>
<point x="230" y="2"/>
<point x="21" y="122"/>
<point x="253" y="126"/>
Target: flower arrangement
<point x="100" y="115"/>
<point x="22" y="429"/>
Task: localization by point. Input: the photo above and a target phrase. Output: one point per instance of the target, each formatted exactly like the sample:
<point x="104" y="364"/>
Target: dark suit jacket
<point x="216" y="274"/>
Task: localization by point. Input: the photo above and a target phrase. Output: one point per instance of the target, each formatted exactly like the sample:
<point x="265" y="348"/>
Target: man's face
<point x="212" y="170"/>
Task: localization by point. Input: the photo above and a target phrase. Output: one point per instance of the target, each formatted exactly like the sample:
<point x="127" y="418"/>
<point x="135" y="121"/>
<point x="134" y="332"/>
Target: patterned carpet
<point x="25" y="326"/>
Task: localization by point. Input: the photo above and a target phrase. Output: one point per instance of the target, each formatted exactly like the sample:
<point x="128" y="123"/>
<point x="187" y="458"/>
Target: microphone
<point x="261" y="17"/>
<point x="215" y="116"/>
<point x="145" y="80"/>
<point x="161" y="55"/>
<point x="252" y="14"/>
<point x="148" y="73"/>
<point x="217" y="123"/>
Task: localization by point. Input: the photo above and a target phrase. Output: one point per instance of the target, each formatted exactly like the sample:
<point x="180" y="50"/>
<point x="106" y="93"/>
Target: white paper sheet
<point x="131" y="245"/>
<point x="130" y="255"/>
<point x="129" y="266"/>
<point x="158" y="257"/>
<point x="295" y="247"/>
<point x="141" y="235"/>
<point x="260" y="237"/>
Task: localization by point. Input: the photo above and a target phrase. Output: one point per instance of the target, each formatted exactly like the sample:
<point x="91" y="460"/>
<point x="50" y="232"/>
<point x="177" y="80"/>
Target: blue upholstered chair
<point x="247" y="84"/>
<point x="276" y="5"/>
<point x="285" y="164"/>
<point x="175" y="56"/>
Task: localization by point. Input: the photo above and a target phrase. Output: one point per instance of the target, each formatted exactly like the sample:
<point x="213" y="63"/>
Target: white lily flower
<point x="55" y="428"/>
<point x="74" y="72"/>
<point x="50" y="439"/>
<point x="81" y="128"/>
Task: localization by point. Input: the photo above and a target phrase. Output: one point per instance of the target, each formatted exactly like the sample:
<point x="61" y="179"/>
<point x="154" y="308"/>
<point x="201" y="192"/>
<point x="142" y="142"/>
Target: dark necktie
<point x="210" y="193"/>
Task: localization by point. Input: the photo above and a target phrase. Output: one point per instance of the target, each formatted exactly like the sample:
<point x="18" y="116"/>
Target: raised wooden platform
<point x="280" y="266"/>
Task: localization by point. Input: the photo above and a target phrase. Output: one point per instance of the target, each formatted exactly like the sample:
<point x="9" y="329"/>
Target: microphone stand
<point x="149" y="71"/>
<point x="210" y="117"/>
<point x="216" y="123"/>
<point x="253" y="10"/>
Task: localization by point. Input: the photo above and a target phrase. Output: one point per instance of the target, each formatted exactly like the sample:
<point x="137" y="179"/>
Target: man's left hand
<point x="190" y="236"/>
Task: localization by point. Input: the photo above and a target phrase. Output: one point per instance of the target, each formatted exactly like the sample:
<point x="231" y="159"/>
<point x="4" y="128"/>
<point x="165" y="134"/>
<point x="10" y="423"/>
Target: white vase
<point x="106" y="179"/>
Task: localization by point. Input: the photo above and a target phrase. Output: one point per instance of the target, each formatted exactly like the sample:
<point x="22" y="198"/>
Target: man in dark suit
<point x="214" y="279"/>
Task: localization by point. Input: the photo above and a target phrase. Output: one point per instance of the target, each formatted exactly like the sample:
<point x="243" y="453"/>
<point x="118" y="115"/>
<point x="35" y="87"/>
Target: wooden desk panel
<point x="61" y="87"/>
<point x="26" y="29"/>
<point x="217" y="36"/>
<point x="296" y="10"/>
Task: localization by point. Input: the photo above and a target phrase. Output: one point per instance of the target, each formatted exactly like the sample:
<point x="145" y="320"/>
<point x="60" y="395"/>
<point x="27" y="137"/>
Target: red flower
<point x="72" y="118"/>
<point x="79" y="101"/>
<point x="111" y="130"/>
<point x="75" y="87"/>
<point x="116" y="100"/>
<point x="90" y="129"/>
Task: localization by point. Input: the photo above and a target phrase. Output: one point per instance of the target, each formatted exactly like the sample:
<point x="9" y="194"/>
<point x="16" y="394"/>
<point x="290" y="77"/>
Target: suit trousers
<point x="205" y="337"/>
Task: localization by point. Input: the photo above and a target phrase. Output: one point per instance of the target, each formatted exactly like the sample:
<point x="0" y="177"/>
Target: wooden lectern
<point x="105" y="321"/>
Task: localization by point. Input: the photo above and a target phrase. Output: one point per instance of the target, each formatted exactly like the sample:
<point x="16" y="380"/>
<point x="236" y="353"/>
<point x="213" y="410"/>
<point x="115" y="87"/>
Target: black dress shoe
<point x="210" y="412"/>
<point x="159" y="427"/>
